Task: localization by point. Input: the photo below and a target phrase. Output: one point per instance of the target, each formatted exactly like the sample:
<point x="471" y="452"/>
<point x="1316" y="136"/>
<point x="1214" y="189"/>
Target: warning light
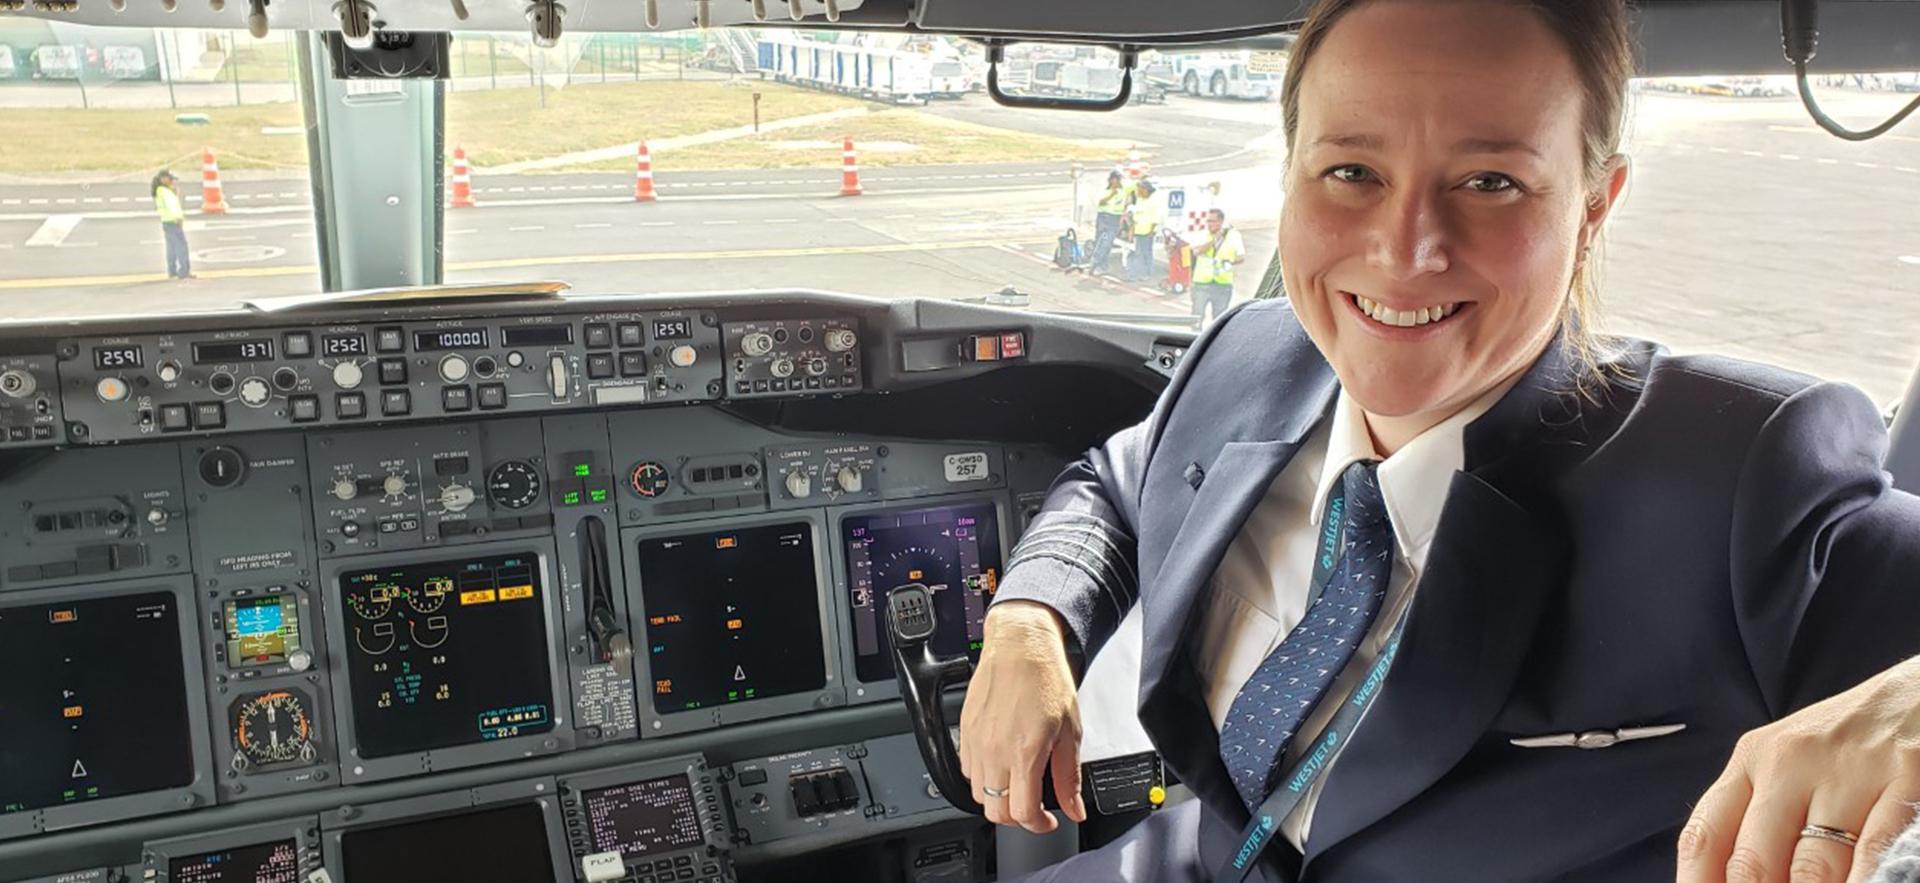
<point x="515" y="593"/>
<point x="986" y="348"/>
<point x="725" y="542"/>
<point x="71" y="711"/>
<point x="734" y="624"/>
<point x="481" y="596"/>
<point x="663" y="686"/>
<point x="63" y="615"/>
<point x="915" y="575"/>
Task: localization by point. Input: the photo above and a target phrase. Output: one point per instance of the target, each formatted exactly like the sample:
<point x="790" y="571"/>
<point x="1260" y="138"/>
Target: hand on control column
<point x="1020" y="711"/>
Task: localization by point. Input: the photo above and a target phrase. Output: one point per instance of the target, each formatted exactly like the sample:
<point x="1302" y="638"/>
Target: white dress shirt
<point x="1261" y="586"/>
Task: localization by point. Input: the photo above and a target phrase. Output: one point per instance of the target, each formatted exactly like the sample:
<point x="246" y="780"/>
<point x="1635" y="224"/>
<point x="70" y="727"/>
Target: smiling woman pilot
<point x="1411" y="541"/>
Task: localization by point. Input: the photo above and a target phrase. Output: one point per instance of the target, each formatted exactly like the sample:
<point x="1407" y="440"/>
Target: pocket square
<point x="1592" y="739"/>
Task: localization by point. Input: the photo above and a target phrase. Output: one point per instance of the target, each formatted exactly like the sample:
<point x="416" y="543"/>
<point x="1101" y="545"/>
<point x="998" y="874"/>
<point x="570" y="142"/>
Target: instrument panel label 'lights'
<point x="426" y="674"/>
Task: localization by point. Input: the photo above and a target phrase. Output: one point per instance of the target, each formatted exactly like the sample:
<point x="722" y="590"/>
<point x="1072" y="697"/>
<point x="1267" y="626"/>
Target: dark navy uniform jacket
<point x="1699" y="540"/>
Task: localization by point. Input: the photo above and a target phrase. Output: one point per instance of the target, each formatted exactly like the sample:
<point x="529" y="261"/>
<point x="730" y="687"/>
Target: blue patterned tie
<point x="1292" y="679"/>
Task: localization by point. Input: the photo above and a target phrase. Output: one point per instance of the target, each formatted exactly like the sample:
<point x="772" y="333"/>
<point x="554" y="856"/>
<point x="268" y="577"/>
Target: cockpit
<point x="580" y="442"/>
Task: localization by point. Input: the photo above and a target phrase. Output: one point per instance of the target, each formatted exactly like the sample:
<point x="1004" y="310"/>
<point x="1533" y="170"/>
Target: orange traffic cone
<point x="212" y="201"/>
<point x="462" y="180"/>
<point x="849" y="169"/>
<point x="643" y="176"/>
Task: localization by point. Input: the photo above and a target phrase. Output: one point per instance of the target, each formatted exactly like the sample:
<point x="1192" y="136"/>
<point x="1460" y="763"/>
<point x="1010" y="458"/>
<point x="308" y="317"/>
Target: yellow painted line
<point x="556" y="260"/>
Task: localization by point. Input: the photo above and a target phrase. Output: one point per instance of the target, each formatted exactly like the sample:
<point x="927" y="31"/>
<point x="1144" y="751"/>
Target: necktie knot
<point x="1360" y="485"/>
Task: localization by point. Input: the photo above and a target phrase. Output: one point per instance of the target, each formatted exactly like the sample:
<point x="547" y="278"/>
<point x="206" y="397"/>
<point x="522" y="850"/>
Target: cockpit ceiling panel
<point x="444" y="15"/>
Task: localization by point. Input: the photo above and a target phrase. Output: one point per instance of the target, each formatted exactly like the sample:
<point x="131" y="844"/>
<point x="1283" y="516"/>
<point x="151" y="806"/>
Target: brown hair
<point x="1595" y="35"/>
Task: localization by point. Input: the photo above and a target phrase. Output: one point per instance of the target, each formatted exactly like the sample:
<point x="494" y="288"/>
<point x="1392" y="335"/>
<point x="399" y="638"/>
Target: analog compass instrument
<point x="272" y="728"/>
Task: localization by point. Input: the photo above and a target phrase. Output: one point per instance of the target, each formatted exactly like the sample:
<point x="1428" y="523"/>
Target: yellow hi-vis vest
<point x="1115" y="201"/>
<point x="167" y="203"/>
<point x="1146" y="217"/>
<point x="1213" y="262"/>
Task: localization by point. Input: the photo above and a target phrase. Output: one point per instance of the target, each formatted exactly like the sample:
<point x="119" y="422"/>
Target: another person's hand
<point x="1021" y="710"/>
<point x="1849" y="764"/>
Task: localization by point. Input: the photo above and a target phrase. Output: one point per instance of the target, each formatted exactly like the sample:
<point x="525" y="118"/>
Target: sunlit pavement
<point x="1745" y="231"/>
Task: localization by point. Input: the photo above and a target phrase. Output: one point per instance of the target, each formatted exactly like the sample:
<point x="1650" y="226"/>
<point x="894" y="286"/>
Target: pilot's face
<point x="1436" y="174"/>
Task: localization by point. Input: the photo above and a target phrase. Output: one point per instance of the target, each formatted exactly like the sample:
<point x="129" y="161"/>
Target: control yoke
<point x="923" y="678"/>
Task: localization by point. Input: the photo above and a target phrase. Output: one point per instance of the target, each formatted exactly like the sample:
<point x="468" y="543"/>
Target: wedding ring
<point x="1834" y="834"/>
<point x="993" y="792"/>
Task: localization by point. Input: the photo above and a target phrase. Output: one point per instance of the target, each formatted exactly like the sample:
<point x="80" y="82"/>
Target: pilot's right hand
<point x="1021" y="710"/>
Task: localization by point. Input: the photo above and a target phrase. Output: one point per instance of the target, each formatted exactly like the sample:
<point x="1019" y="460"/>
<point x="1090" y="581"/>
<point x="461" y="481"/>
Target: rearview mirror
<point x="1059" y="76"/>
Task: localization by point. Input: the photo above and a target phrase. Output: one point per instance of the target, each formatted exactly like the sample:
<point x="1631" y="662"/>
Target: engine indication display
<point x="953" y="550"/>
<point x="94" y="701"/>
<point x="643" y="818"/>
<point x="506" y="844"/>
<point x="447" y="653"/>
<point x="732" y="616"/>
<point x="264" y="630"/>
<point x="275" y="862"/>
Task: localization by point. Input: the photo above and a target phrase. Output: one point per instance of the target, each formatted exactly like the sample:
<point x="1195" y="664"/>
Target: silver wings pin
<point x="1592" y="739"/>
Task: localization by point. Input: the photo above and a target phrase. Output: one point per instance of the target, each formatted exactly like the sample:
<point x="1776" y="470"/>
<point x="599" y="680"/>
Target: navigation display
<point x="644" y="817"/>
<point x="94" y="701"/>
<point x="732" y="615"/>
<point x="276" y="862"/>
<point x="503" y="845"/>
<point x="262" y="630"/>
<point x="446" y="653"/>
<point x="953" y="550"/>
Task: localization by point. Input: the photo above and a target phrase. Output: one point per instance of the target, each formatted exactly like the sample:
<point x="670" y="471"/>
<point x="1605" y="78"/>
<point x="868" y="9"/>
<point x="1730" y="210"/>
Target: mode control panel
<point x="112" y="389"/>
<point x="778" y="357"/>
<point x="29" y="402"/>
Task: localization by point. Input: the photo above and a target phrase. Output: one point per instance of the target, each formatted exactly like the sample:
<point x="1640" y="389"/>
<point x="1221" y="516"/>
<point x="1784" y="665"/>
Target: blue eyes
<point x="1483" y="182"/>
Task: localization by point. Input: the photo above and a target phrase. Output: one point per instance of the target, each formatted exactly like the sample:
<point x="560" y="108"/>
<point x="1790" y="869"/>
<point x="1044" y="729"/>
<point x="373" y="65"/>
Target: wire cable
<point x="1799" y="35"/>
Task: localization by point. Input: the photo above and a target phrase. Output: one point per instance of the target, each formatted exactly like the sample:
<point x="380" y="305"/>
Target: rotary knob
<point x="347" y="375"/>
<point x="345" y="489"/>
<point x="840" y="340"/>
<point x="395" y="485"/>
<point x="799" y="486"/>
<point x="299" y="660"/>
<point x="158" y="517"/>
<point x="453" y="369"/>
<point x="849" y="479"/>
<point x="254" y="392"/>
<point x="683" y="356"/>
<point x="783" y="367"/>
<point x="17" y="384"/>
<point x="456" y="498"/>
<point x="816" y="366"/>
<point x="758" y="343"/>
<point x="110" y="389"/>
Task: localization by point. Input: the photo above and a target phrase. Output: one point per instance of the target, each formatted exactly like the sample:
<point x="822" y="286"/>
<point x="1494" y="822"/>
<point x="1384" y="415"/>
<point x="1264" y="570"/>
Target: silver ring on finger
<point x="1837" y="835"/>
<point x="991" y="791"/>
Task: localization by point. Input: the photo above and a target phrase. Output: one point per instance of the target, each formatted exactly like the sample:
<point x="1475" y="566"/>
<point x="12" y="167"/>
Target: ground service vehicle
<point x="514" y="490"/>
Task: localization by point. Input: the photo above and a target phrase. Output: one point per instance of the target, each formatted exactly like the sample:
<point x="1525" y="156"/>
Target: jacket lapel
<point x="1497" y="557"/>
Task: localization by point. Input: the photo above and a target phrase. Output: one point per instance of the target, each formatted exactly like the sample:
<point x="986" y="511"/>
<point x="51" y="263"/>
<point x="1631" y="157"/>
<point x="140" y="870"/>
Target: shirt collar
<point x="1414" y="481"/>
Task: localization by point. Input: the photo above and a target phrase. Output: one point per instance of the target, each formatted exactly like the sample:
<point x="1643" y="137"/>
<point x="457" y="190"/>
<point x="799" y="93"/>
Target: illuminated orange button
<point x="515" y="593"/>
<point x="986" y="348"/>
<point x="71" y="711"/>
<point x="482" y="596"/>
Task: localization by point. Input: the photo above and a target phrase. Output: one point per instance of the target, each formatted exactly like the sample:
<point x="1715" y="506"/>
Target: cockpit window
<point x="875" y="164"/>
<point x="96" y="119"/>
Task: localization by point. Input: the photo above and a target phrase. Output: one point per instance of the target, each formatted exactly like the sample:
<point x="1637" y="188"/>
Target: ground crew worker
<point x="1213" y="265"/>
<point x="1107" y="222"/>
<point x="173" y="223"/>
<point x="1145" y="223"/>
